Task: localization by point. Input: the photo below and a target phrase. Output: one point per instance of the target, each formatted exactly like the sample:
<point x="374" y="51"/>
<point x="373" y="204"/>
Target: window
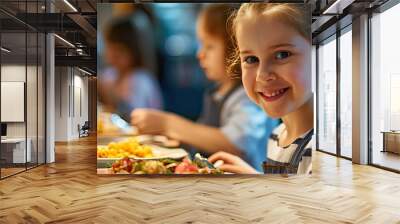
<point x="327" y="95"/>
<point x="22" y="76"/>
<point x="346" y="92"/>
<point x="385" y="89"/>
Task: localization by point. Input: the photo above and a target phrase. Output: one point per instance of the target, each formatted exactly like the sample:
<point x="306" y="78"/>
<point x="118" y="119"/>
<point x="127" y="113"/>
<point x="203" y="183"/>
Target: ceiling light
<point x="70" y="5"/>
<point x="5" y="50"/>
<point x="65" y="41"/>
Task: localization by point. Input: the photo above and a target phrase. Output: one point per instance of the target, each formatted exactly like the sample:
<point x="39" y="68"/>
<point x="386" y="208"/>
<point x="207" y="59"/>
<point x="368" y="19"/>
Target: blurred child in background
<point x="127" y="84"/>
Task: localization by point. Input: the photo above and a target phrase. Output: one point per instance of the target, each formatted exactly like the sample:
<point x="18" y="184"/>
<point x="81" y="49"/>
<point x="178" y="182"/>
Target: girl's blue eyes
<point x="281" y="55"/>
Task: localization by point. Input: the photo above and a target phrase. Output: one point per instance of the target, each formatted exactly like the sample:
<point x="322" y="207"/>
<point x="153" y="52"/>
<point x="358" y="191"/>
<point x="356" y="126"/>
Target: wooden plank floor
<point x="69" y="191"/>
<point x="10" y="171"/>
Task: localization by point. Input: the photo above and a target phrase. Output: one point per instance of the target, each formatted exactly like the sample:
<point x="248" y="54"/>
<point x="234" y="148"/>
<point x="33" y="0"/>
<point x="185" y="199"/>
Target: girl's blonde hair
<point x="295" y="15"/>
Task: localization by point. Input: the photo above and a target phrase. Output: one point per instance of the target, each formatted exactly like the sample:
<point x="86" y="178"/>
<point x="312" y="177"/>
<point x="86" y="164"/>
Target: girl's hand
<point x="232" y="163"/>
<point x="150" y="121"/>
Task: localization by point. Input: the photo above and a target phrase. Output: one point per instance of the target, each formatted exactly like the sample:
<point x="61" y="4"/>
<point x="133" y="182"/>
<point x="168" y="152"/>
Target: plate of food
<point x="133" y="149"/>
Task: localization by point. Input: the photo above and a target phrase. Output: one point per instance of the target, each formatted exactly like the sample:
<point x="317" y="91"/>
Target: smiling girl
<point x="273" y="56"/>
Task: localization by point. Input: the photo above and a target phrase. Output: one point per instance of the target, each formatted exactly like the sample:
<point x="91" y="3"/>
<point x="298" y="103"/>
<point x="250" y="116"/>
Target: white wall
<point x="71" y="94"/>
<point x="81" y="100"/>
<point x="16" y="73"/>
<point x="61" y="104"/>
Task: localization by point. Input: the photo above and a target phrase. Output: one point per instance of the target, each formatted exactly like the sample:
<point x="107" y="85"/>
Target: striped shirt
<point x="292" y="159"/>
